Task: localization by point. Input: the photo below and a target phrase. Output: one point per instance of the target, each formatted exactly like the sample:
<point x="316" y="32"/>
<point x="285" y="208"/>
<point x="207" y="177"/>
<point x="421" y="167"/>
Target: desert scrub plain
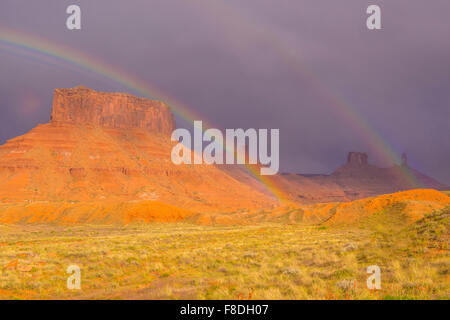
<point x="263" y="261"/>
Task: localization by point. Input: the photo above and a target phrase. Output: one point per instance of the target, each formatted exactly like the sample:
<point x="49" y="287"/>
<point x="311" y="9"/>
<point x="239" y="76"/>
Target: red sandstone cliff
<point x="108" y="153"/>
<point x="113" y="147"/>
<point x="82" y="105"/>
<point x="356" y="179"/>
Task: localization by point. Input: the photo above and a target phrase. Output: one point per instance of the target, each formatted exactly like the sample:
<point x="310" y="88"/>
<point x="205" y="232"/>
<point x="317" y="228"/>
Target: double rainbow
<point x="45" y="51"/>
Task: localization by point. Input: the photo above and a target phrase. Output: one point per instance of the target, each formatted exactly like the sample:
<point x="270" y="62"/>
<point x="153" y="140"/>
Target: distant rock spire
<point x="404" y="160"/>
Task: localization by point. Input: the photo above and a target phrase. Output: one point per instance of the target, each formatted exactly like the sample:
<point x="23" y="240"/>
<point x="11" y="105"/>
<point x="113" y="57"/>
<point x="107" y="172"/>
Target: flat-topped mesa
<point x="81" y="105"/>
<point x="357" y="158"/>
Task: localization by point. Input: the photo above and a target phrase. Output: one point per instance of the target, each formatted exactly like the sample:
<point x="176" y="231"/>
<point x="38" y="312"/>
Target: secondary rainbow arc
<point x="47" y="50"/>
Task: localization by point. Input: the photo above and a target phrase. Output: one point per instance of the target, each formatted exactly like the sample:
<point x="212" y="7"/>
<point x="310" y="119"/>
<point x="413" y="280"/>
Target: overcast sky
<point x="301" y="66"/>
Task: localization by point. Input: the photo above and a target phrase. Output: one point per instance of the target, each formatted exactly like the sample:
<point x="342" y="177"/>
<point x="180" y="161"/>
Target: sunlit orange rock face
<point x="106" y="158"/>
<point x="107" y="151"/>
<point x="82" y="105"/>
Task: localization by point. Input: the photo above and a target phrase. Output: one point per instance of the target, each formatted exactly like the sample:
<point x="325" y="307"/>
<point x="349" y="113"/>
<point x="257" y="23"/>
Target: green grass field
<point x="267" y="261"/>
